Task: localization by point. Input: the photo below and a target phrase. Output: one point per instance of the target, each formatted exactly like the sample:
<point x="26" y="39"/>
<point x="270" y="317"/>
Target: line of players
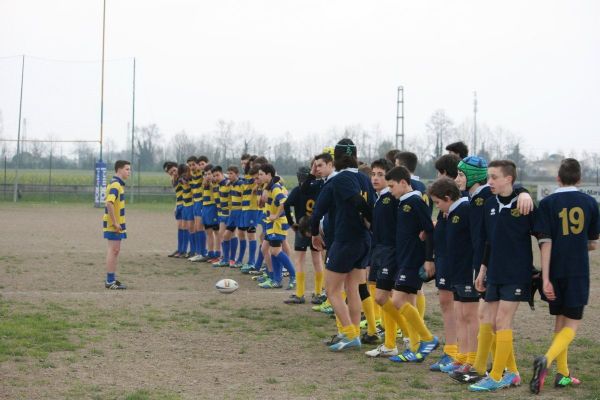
<point x="382" y="244"/>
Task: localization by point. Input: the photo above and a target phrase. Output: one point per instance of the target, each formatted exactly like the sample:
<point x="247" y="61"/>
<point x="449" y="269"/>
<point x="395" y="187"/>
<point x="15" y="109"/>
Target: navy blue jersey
<point x="569" y="218"/>
<point x="439" y="241"/>
<point x="459" y="256"/>
<point x="477" y="202"/>
<point x="412" y="218"/>
<point x="302" y="204"/>
<point x="349" y="224"/>
<point x="384" y="219"/>
<point x="420" y="186"/>
<point x="324" y="206"/>
<point x="508" y="234"/>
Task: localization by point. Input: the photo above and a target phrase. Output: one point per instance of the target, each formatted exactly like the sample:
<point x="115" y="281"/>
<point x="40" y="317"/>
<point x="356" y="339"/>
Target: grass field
<point x="172" y="336"/>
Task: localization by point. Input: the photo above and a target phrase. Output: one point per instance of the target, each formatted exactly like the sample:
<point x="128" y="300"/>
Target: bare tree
<point x="147" y="138"/>
<point x="225" y="137"/>
<point x="440" y="126"/>
<point x="183" y="146"/>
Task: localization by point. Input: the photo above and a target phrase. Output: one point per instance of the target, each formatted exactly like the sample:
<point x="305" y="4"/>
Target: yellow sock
<point x="376" y="307"/>
<point x="319" y="282"/>
<point x="413" y="318"/>
<point x="403" y="324"/>
<point x="561" y="342"/>
<point x="451" y="350"/>
<point x="356" y="330"/>
<point x="300" y="283"/>
<point x="471" y="357"/>
<point x="504" y="346"/>
<point x="511" y="362"/>
<point x="349" y="331"/>
<point x="493" y="346"/>
<point x="368" y="309"/>
<point x="390" y="325"/>
<point x="484" y="342"/>
<point x="421" y="303"/>
<point x="562" y="366"/>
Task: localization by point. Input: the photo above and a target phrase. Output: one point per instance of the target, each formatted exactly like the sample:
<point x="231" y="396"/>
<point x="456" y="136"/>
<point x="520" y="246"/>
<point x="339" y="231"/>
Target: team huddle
<point x="374" y="242"/>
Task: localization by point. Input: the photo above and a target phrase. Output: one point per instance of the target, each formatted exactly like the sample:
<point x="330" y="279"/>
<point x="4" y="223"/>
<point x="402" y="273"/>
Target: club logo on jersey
<point x="493" y="212"/>
<point x="468" y="289"/>
<point x="518" y="292"/>
<point x="384" y="271"/>
<point x="406" y="208"/>
<point x="515" y="212"/>
<point x="455" y="219"/>
<point x="386" y="200"/>
<point x="479" y="202"/>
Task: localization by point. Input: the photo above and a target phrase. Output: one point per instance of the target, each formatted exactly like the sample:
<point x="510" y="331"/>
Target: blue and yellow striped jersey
<point x="187" y="192"/>
<point x="207" y="198"/>
<point x="196" y="184"/>
<point x="223" y="198"/>
<point x="235" y="194"/>
<point x="115" y="194"/>
<point x="277" y="196"/>
<point x="178" y="193"/>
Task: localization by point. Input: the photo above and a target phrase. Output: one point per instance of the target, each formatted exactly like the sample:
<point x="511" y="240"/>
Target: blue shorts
<point x="344" y="257"/>
<point x="115" y="236"/>
<point x="198" y="209"/>
<point x="275" y="237"/>
<point x="408" y="280"/>
<point x="507" y="292"/>
<point x="223" y="219"/>
<point x="178" y="212"/>
<point x="235" y="218"/>
<point x="209" y="215"/>
<point x="188" y="213"/>
<point x="251" y="218"/>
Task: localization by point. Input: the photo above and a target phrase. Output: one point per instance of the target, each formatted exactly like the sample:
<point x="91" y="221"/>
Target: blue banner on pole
<point x="100" y="184"/>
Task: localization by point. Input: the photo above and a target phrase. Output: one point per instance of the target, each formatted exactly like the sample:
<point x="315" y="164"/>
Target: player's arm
<point x="427" y="231"/>
<point x="322" y="204"/>
<point x="279" y="199"/>
<point x="545" y="252"/>
<point x="524" y="200"/>
<point x="110" y="207"/>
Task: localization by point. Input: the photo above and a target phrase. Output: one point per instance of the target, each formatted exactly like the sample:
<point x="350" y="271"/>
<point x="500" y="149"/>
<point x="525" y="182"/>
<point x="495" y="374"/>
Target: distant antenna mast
<point x="474" y="123"/>
<point x="400" y="117"/>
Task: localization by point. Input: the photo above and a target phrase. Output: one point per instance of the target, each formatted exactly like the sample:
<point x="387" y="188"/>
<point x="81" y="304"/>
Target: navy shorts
<point x="209" y="215"/>
<point x="508" y="292"/>
<point x="408" y="278"/>
<point x="571" y="294"/>
<point x="179" y="212"/>
<point x="442" y="275"/>
<point x="302" y="243"/>
<point x="188" y="213"/>
<point x="383" y="267"/>
<point x="197" y="209"/>
<point x="114" y="235"/>
<point x="466" y="293"/>
<point x="346" y="256"/>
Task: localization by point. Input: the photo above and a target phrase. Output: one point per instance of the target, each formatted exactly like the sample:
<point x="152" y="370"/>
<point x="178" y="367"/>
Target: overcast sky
<point x="305" y="66"/>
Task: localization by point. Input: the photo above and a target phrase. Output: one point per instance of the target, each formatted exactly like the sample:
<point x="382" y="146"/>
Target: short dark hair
<point x="326" y="157"/>
<point x="234" y="169"/>
<point x="391" y="155"/>
<point x="192" y="158"/>
<point x="382" y="163"/>
<point x="444" y="187"/>
<point x="448" y="164"/>
<point x="120" y="164"/>
<point x="459" y="148"/>
<point x="254" y="169"/>
<point x="245" y="156"/>
<point x="398" y="174"/>
<point x="208" y="168"/>
<point x="365" y="169"/>
<point x="408" y="159"/>
<point x="267" y="169"/>
<point x="260" y="160"/>
<point x="252" y="158"/>
<point x="182" y="169"/>
<point x="508" y="167"/>
<point x="203" y="158"/>
<point x="167" y="165"/>
<point x="569" y="171"/>
<point x="216" y="168"/>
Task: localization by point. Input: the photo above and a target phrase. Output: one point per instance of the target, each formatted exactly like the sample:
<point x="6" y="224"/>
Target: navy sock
<point x="202" y="242"/>
<point x="240" y="258"/>
<point x="252" y="252"/>
<point x="285" y="261"/>
<point x="277" y="269"/>
<point x="110" y="277"/>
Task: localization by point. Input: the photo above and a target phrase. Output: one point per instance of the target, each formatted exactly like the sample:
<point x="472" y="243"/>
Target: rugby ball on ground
<point x="227" y="285"/>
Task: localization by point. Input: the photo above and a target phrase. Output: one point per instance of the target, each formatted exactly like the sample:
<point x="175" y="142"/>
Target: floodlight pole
<point x="400" y="116"/>
<point x="102" y="80"/>
<point x="16" y="192"/>
<point x="133" y="122"/>
<point x="474" y="123"/>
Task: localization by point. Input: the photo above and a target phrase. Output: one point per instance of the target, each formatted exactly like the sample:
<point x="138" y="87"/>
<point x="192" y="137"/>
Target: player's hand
<point x="429" y="268"/>
<point x="479" y="282"/>
<point x="313" y="168"/>
<point x="317" y="243"/>
<point x="549" y="290"/>
<point x="272" y="217"/>
<point x="525" y="203"/>
<point x="117" y="228"/>
<point x="295" y="227"/>
<point x="422" y="236"/>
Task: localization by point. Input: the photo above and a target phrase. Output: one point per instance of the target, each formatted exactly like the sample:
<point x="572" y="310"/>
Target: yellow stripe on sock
<point x="300" y="283"/>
